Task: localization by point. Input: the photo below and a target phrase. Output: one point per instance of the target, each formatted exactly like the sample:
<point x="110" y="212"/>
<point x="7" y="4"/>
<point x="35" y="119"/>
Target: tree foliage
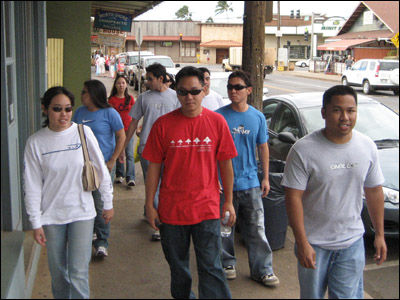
<point x="184" y="13"/>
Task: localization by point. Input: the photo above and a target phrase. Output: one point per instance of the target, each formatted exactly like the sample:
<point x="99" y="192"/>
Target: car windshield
<point x="166" y="62"/>
<point x="374" y="120"/>
<point x="389" y="161"/>
<point x="219" y="85"/>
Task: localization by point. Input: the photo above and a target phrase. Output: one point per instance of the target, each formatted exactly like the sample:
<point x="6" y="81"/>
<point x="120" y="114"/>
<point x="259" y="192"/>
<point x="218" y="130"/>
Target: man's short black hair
<point x="204" y="70"/>
<point x="338" y="90"/>
<point x="190" y="71"/>
<point x="157" y="70"/>
<point x="242" y="75"/>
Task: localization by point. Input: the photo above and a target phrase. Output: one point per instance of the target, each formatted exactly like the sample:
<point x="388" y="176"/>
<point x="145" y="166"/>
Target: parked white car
<point x="131" y="63"/>
<point x="146" y="61"/>
<point x="373" y="74"/>
<point x="303" y="63"/>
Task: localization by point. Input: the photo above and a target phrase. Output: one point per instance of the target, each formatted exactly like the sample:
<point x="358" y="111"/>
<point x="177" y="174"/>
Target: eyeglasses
<point x="58" y="109"/>
<point x="191" y="92"/>
<point x="237" y="87"/>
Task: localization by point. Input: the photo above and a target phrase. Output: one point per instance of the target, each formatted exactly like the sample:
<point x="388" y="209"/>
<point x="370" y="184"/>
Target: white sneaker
<point x="119" y="180"/>
<point x="131" y="182"/>
<point x="268" y="280"/>
<point x="230" y="272"/>
<point x="156" y="236"/>
<point x="101" y="252"/>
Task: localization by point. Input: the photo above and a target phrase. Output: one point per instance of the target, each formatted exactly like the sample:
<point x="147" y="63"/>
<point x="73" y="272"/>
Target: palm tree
<point x="183" y="13"/>
<point x="223" y="6"/>
<point x="210" y="20"/>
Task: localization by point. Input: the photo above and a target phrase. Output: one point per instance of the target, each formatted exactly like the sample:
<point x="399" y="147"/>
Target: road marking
<point x="282" y="89"/>
<point x="304" y="84"/>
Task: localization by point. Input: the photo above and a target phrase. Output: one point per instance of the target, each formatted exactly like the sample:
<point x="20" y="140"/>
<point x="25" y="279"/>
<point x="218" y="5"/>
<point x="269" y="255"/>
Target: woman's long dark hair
<point x="126" y="94"/>
<point x="98" y="93"/>
<point x="50" y="94"/>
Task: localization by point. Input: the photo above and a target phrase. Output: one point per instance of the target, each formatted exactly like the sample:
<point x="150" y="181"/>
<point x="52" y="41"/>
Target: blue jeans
<point x="69" y="249"/>
<point x="249" y="210"/>
<point x="341" y="271"/>
<point x="175" y="240"/>
<point x="130" y="164"/>
<point x="101" y="229"/>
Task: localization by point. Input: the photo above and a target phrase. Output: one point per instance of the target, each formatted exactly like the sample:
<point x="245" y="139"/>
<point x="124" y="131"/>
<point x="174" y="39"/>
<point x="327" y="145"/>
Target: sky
<point x="202" y="10"/>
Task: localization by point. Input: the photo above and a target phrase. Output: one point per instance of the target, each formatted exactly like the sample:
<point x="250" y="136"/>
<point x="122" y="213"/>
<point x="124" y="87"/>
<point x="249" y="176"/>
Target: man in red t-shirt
<point x="190" y="143"/>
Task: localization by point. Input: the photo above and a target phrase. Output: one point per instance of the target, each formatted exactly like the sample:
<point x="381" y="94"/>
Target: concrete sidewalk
<point x="136" y="267"/>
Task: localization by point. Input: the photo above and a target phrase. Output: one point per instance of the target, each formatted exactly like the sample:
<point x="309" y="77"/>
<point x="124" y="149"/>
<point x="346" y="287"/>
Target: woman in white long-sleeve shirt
<point x="61" y="212"/>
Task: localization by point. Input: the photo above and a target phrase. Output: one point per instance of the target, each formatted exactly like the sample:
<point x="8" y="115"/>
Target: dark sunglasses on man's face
<point x="58" y="109"/>
<point x="237" y="87"/>
<point x="185" y="92"/>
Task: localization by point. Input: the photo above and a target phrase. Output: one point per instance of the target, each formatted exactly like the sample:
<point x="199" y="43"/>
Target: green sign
<point x="113" y="21"/>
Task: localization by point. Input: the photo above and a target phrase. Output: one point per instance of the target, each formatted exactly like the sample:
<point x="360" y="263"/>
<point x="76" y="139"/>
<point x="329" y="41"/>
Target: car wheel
<point x="344" y="81"/>
<point x="303" y="65"/>
<point x="396" y="92"/>
<point x="366" y="87"/>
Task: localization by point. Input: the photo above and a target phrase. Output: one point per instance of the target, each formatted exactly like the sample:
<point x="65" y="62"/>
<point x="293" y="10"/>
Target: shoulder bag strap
<point x="83" y="142"/>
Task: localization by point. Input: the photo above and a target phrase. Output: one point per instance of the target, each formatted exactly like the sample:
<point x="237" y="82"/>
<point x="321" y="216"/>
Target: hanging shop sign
<point x="111" y="40"/>
<point x="113" y="21"/>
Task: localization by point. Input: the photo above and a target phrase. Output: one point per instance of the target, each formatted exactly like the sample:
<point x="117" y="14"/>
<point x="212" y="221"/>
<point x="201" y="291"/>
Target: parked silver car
<point x="290" y="117"/>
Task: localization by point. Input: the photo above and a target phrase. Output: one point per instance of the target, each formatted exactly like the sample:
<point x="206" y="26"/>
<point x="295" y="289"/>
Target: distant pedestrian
<point x="107" y="126"/>
<point x="212" y="99"/>
<point x="249" y="131"/>
<point x="123" y="102"/>
<point x="189" y="203"/>
<point x="349" y="62"/>
<point x="327" y="174"/>
<point x="101" y="62"/>
<point x="61" y="212"/>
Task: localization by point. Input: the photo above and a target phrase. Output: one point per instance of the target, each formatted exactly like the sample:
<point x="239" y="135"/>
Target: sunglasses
<point x="191" y="92"/>
<point x="58" y="109"/>
<point x="237" y="87"/>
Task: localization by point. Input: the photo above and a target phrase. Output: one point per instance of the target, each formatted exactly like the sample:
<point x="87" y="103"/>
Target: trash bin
<point x="275" y="215"/>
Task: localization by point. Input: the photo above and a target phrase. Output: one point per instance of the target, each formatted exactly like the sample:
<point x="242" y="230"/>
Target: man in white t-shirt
<point x="212" y="99"/>
<point x="325" y="176"/>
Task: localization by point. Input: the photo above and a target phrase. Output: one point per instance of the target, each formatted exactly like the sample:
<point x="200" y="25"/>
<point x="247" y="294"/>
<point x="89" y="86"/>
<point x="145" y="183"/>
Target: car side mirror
<point x="287" y="137"/>
<point x="177" y="66"/>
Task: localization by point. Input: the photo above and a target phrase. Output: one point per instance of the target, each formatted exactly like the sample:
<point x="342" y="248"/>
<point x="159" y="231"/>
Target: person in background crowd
<point x="212" y="100"/>
<point x="325" y="175"/>
<point x="61" y="212"/>
<point x="349" y="62"/>
<point x="189" y="201"/>
<point x="107" y="126"/>
<point x="151" y="105"/>
<point x="170" y="82"/>
<point x="249" y="131"/>
<point x="123" y="102"/>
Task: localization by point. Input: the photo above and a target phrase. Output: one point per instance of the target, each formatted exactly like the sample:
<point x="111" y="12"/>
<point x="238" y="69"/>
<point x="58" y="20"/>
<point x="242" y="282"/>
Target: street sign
<point x="139" y="36"/>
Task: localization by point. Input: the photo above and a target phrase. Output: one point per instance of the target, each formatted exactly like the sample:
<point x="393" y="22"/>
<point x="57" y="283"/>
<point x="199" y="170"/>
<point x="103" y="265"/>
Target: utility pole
<point x="254" y="48"/>
<point x="278" y="35"/>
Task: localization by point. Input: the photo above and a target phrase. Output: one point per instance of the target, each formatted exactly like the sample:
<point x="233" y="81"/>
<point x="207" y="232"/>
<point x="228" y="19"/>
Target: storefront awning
<point x="343" y="44"/>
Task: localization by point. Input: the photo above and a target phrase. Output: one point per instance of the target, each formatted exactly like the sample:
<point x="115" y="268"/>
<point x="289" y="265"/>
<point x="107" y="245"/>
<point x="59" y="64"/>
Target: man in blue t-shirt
<point x="249" y="130"/>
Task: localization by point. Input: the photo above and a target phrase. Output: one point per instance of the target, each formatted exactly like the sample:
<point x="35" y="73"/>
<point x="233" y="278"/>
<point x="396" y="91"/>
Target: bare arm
<point x="226" y="171"/>
<point x="152" y="179"/>
<point x="294" y="207"/>
<point x="263" y="153"/>
<point x="375" y="205"/>
<point x="120" y="141"/>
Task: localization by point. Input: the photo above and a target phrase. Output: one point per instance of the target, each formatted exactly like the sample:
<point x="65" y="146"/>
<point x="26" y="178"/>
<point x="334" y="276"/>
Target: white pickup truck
<point x="234" y="62"/>
<point x="146" y="61"/>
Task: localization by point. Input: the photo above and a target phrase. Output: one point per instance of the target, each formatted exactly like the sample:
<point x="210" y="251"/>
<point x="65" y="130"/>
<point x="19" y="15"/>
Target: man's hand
<point x="306" y="255"/>
<point x="108" y="215"/>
